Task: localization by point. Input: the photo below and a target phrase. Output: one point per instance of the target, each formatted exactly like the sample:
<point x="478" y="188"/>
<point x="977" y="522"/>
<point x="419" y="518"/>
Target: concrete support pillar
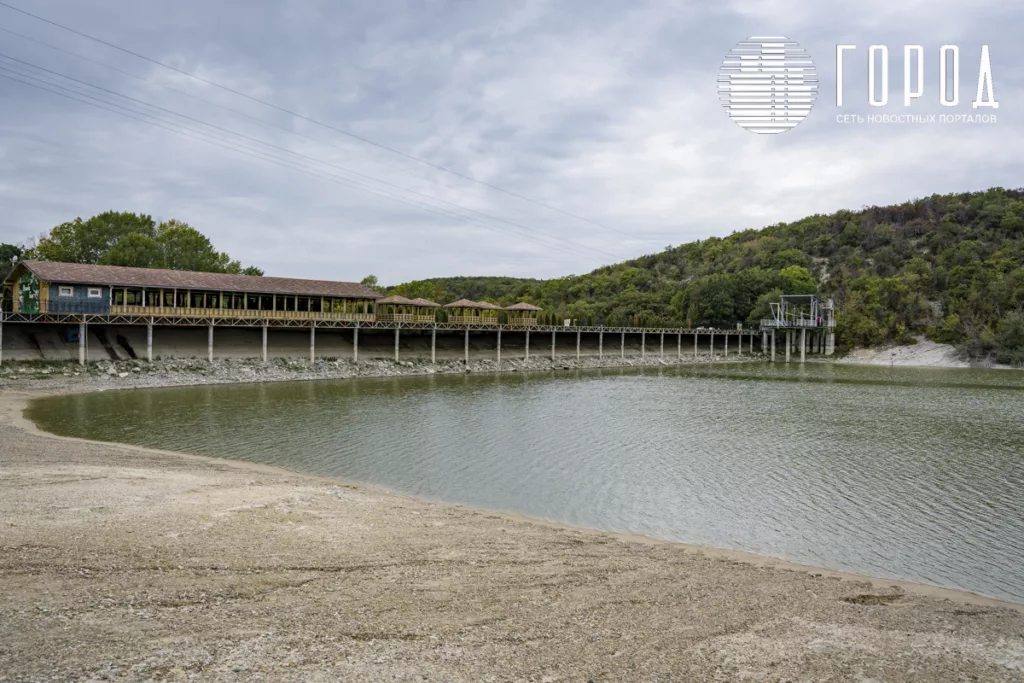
<point x="467" y="347"/>
<point x="577" y="346"/>
<point x="727" y="345"/>
<point x="803" y="345"/>
<point x="81" y="343"/>
<point x="149" y="342"/>
<point x="751" y="342"/>
<point x="712" y="346"/>
<point x="209" y="343"/>
<point x="1" y="336"/>
<point x="694" y="345"/>
<point x="264" y="342"/>
<point x="433" y="345"/>
<point x="622" y="346"/>
<point x="773" y="346"/>
<point x="830" y="345"/>
<point x="312" y="344"/>
<point x="600" y="345"/>
<point x="527" y="344"/>
<point x="662" y="344"/>
<point x="552" y="344"/>
<point x="355" y="344"/>
<point x="396" y="344"/>
<point x="499" y="347"/>
<point x="740" y="346"/>
<point x="764" y="341"/>
<point x="789" y="343"/>
<point x="679" y="347"/>
<point x="643" y="344"/>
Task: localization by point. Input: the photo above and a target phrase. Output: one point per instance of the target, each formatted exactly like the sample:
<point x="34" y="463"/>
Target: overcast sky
<point x="605" y="110"/>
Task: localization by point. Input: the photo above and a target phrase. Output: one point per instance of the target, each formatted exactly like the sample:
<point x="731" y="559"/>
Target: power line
<point x="291" y="152"/>
<point x="120" y="110"/>
<point x="312" y="120"/>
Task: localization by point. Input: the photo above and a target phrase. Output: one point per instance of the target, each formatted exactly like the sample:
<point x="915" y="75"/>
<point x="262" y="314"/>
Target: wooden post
<point x="264" y="342"/>
<point x="622" y="346"/>
<point x="355" y="343"/>
<point x="577" y="346"/>
<point x="312" y="344"/>
<point x="81" y="343"/>
<point x="209" y="343"/>
<point x="433" y="344"/>
<point x="499" y="347"/>
<point x="803" y="345"/>
<point x="527" y="345"/>
<point x="552" y="344"/>
<point x="396" y="344"/>
<point x="149" y="341"/>
<point x="600" y="345"/>
<point x="467" y="346"/>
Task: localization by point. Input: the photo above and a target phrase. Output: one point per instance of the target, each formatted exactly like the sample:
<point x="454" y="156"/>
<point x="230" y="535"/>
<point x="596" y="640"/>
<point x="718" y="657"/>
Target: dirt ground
<point x="120" y="563"/>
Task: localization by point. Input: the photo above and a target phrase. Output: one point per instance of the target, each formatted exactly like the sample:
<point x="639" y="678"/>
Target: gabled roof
<point x="523" y="306"/>
<point x="122" y="276"/>
<point x="425" y="302"/>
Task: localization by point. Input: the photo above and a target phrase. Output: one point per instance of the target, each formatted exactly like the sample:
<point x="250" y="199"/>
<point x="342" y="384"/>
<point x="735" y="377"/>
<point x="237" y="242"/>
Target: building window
<point x="95" y="292"/>
<point x="65" y="291"/>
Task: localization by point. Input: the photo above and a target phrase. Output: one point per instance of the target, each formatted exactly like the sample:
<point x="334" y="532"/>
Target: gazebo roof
<point x="523" y="306"/>
<point x="489" y="306"/>
<point x="465" y="303"/>
<point x="395" y="299"/>
<point x="425" y="302"/>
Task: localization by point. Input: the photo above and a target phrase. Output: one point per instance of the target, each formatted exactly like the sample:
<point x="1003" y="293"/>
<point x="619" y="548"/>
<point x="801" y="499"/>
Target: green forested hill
<point x="950" y="266"/>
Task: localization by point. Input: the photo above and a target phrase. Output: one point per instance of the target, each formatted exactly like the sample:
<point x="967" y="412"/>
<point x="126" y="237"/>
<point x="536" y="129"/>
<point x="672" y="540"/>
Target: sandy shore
<point x="122" y="563"/>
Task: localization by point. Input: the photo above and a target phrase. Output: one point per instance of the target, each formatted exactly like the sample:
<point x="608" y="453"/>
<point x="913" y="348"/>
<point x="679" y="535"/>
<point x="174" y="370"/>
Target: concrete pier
<point x="81" y="344"/>
<point x="499" y="347"/>
<point x="789" y="343"/>
<point x="312" y="343"/>
<point x="803" y="345"/>
<point x="622" y="346"/>
<point x="209" y="343"/>
<point x="527" y="344"/>
<point x="643" y="344"/>
<point x="355" y="345"/>
<point x="662" y="344"/>
<point x="149" y="342"/>
<point x="264" y="342"/>
<point x="467" y="347"/>
<point x="600" y="345"/>
<point x="433" y="345"/>
<point x="577" y="344"/>
<point x="773" y="346"/>
<point x="396" y="344"/>
<point x="712" y="346"/>
<point x="552" y="344"/>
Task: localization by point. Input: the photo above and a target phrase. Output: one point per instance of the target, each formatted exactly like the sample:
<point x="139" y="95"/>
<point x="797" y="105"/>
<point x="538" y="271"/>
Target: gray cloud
<point x="603" y="109"/>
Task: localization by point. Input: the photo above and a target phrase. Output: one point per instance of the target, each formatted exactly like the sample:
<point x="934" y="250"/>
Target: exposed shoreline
<point x="32" y="459"/>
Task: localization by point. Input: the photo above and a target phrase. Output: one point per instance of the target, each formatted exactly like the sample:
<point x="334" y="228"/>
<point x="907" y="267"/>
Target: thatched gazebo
<point x="468" y="312"/>
<point x="398" y="309"/>
<point x="522" y="313"/>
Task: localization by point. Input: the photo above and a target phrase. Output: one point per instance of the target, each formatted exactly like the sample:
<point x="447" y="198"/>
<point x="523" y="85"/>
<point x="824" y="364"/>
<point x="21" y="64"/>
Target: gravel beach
<point x="122" y="563"/>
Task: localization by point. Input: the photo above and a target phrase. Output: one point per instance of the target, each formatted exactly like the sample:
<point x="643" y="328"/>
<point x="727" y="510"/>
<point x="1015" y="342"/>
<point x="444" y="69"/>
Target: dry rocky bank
<point x="123" y="563"/>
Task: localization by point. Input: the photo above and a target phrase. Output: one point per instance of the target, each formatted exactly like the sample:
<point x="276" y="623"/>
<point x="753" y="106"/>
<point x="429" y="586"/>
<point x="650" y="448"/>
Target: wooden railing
<point x="473" y="320"/>
<point x="522" y="321"/>
<point x="237" y="313"/>
<point x="404" y="318"/>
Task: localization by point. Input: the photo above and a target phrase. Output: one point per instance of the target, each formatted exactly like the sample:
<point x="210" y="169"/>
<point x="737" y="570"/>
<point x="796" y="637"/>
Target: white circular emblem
<point x="767" y="84"/>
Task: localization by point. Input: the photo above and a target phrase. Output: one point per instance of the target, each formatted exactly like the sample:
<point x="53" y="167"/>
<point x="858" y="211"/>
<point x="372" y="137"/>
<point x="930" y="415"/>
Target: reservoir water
<point x="913" y="474"/>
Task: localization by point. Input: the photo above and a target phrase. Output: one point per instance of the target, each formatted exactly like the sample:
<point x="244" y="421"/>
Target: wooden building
<point x="50" y="287"/>
<point x="398" y="309"/>
<point x="466" y="312"/>
<point x="522" y="313"/>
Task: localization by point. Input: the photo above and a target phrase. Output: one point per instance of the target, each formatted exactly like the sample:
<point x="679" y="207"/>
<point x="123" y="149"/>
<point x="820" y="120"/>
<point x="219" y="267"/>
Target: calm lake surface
<point x="905" y="473"/>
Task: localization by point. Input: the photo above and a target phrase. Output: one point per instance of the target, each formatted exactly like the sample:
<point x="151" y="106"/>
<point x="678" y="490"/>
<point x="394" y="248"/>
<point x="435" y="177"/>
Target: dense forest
<point x="950" y="267"/>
